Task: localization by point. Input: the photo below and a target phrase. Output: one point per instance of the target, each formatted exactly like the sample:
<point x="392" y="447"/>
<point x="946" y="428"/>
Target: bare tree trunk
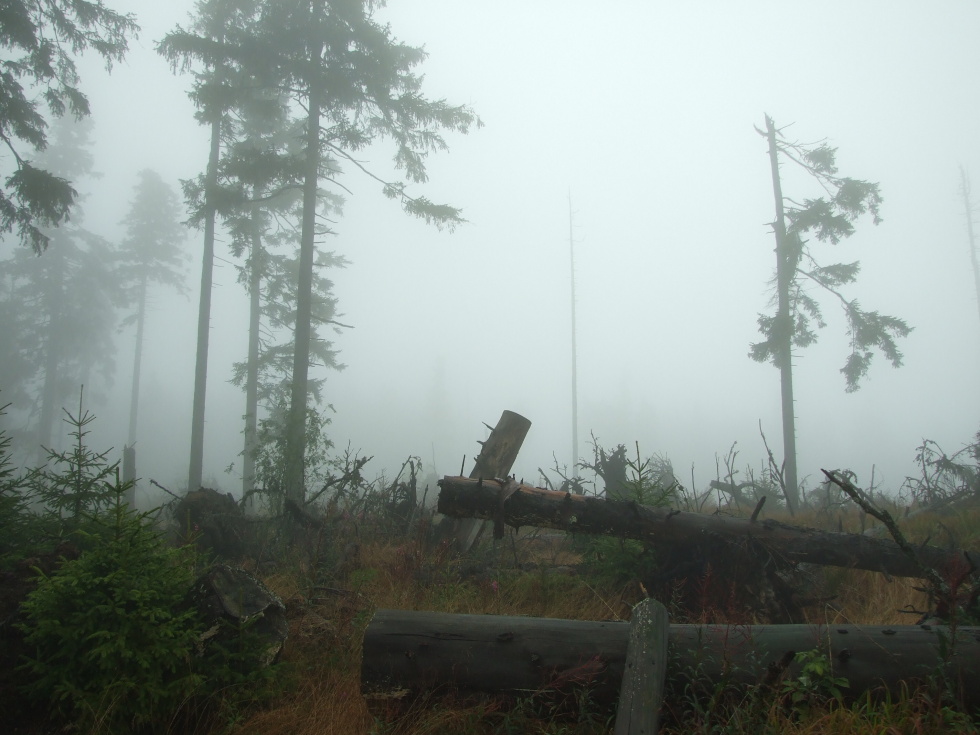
<point x="965" y="188"/>
<point x="296" y="422"/>
<point x="496" y="458"/>
<point x="196" y="470"/>
<point x="784" y="328"/>
<point x="256" y="263"/>
<point x="51" y="390"/>
<point x="573" y="468"/>
<point x="137" y="362"/>
<point x="129" y="450"/>
<point x="645" y="672"/>
<point x="129" y="475"/>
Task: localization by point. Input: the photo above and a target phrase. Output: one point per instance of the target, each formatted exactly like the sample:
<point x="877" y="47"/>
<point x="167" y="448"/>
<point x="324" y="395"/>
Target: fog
<point x="630" y="127"/>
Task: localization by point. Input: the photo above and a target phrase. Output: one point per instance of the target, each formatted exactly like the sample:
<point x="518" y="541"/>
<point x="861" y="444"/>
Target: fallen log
<point x="407" y="652"/>
<point x="523" y="505"/>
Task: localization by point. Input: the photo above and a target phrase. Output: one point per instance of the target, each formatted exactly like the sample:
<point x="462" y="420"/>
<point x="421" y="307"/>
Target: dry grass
<point x="327" y="622"/>
<point x="869" y="598"/>
<point x="322" y="655"/>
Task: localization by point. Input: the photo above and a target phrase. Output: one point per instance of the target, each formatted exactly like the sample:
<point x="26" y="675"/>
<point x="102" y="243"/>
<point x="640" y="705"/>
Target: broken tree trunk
<point x="407" y="652"/>
<point x="530" y="506"/>
<point x="497" y="455"/>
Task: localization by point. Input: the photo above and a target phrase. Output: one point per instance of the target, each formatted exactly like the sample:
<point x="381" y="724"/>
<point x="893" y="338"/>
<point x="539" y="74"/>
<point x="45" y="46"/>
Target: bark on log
<point x="406" y="652"/>
<point x="641" y="693"/>
<point x="530" y="506"/>
<point x="497" y="455"/>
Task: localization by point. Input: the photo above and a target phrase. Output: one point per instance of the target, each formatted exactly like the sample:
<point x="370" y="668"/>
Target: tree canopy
<point x="829" y="219"/>
<point x="151" y="250"/>
<point x="351" y="83"/>
<point x="38" y="79"/>
<point x="60" y="308"/>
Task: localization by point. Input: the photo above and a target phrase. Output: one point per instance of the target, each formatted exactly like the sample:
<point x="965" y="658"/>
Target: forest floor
<point x="544" y="575"/>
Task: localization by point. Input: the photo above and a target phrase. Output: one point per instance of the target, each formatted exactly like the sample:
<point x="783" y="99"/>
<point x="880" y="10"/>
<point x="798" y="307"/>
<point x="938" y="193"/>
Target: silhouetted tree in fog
<point x="968" y="205"/>
<point x="150" y="253"/>
<point x="356" y="84"/>
<point x="829" y="219"/>
<point x="265" y="160"/>
<point x="38" y="75"/>
<point x="62" y="303"/>
<point x="213" y="42"/>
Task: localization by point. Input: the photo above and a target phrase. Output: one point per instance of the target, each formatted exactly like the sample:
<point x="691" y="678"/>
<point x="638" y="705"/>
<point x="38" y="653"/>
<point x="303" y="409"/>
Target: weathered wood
<point x="734" y="490"/>
<point x="499" y="452"/>
<point x="641" y="693"/>
<point x="409" y="651"/>
<point x="530" y="506"/>
<point x="497" y="455"/>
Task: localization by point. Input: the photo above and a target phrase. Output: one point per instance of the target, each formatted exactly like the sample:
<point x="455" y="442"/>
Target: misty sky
<point x="643" y="114"/>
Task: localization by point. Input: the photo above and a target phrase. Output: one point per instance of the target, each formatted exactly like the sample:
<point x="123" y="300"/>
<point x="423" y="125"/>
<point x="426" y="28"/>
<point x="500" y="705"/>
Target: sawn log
<point x="410" y="651"/>
<point x="523" y="505"/>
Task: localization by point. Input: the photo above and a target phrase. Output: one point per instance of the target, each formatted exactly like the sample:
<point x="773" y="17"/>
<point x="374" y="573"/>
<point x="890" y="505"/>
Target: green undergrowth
<point x="107" y="639"/>
<point x="113" y="648"/>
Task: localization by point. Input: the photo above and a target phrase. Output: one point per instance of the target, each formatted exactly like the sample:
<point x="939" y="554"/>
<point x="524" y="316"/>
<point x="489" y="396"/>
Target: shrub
<point x="644" y="481"/>
<point x="113" y="644"/>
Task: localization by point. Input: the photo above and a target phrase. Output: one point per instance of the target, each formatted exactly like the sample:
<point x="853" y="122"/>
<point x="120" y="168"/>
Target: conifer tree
<point x="150" y="253"/>
<point x="263" y="162"/>
<point x="38" y="78"/>
<point x="213" y="42"/>
<point x="829" y="219"/>
<point x="63" y="302"/>
<point x="357" y="84"/>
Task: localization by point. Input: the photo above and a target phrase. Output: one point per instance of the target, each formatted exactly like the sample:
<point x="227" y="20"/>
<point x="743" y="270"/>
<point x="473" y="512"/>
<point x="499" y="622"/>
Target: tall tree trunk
<point x="137" y="362"/>
<point x="784" y="328"/>
<point x="965" y="188"/>
<point x="196" y="470"/>
<point x="129" y="451"/>
<point x="573" y="469"/>
<point x="256" y="265"/>
<point x="51" y="390"/>
<point x="296" y="422"/>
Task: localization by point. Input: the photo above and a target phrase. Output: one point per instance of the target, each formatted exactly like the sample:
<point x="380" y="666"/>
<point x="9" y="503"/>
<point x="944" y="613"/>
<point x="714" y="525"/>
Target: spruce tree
<point x="829" y="219"/>
<point x="213" y="42"/>
<point x="357" y="84"/>
<point x="38" y="79"/>
<point x="63" y="303"/>
<point x="151" y="253"/>
<point x="263" y="162"/>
